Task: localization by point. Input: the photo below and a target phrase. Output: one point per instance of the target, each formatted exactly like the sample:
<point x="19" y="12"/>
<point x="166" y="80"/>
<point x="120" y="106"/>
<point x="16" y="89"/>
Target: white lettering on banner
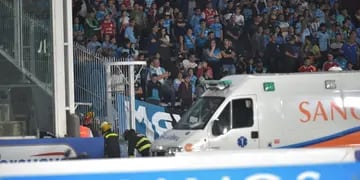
<point x="309" y="175"/>
<point x="141" y="117"/>
<point x="35" y="153"/>
<point x="163" y="116"/>
<point x="191" y="178"/>
<point x="263" y="177"/>
<point x="30" y="160"/>
<point x="154" y="125"/>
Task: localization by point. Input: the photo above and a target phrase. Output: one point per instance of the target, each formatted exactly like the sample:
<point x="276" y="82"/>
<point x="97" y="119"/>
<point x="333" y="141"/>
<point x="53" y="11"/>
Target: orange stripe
<point x="347" y="140"/>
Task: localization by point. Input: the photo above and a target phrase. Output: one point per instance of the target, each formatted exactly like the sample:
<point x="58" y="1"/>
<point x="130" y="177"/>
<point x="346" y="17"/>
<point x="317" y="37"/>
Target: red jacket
<point x="108" y="27"/>
<point x="208" y="72"/>
<point x="210" y="15"/>
<point x="305" y="68"/>
<point x="329" y="64"/>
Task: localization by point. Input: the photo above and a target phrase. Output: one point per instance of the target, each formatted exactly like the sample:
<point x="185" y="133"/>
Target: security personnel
<point x="137" y="141"/>
<point x="112" y="147"/>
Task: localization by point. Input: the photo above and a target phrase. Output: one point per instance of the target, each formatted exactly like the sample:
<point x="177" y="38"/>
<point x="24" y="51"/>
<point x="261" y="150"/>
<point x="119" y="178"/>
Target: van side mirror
<point x="216" y="128"/>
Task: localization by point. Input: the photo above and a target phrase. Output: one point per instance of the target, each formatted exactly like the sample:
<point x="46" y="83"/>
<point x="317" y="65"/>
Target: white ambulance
<point x="269" y="111"/>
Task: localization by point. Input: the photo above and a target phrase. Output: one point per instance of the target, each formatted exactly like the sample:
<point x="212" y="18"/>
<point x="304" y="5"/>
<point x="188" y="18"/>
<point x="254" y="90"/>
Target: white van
<point x="270" y="111"/>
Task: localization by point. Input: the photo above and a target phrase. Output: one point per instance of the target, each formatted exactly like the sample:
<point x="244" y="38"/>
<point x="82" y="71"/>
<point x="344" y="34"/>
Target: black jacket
<point x="112" y="147"/>
<point x="138" y="142"/>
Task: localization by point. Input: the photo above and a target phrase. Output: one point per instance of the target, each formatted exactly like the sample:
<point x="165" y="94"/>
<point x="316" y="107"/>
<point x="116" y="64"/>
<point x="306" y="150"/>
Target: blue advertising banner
<point x="305" y="172"/>
<point x="151" y="120"/>
<point x="52" y="149"/>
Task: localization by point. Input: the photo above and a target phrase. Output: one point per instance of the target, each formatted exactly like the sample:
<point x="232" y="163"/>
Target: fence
<point x="105" y="85"/>
<point x="26" y="42"/>
<point x="7" y="28"/>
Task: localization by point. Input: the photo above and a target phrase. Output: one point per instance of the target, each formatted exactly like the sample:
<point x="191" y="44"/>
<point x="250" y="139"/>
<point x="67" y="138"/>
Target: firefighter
<point x="112" y="147"/>
<point x="137" y="141"/>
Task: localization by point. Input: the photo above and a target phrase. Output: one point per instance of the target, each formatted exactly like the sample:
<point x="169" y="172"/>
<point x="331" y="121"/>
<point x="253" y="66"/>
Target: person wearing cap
<point x="137" y="141"/>
<point x="112" y="147"/>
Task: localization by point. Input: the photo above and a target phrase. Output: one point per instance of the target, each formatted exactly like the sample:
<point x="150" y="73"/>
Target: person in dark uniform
<point x="137" y="141"/>
<point x="112" y="147"/>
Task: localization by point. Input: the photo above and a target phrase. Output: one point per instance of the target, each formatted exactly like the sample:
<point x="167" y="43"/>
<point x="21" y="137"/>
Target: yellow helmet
<point x="105" y="126"/>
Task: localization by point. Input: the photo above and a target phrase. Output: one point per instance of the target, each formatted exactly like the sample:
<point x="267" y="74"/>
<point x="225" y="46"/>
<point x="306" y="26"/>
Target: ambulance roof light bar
<point x="217" y="84"/>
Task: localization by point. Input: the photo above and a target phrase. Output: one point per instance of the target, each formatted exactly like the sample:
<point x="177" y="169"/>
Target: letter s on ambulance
<point x="304" y="111"/>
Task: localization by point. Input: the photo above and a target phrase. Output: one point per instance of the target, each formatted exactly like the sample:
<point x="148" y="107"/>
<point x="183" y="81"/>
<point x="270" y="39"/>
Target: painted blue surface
<point x="306" y="172"/>
<point x="324" y="139"/>
<point x="93" y="147"/>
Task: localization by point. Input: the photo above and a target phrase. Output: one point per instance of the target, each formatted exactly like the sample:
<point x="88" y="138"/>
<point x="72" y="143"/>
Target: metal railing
<point x="7" y="28"/>
<point x="104" y="84"/>
<point x="26" y="42"/>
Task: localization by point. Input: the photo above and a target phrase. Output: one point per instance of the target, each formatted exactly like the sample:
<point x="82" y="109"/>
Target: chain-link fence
<point x="26" y="42"/>
<point x="104" y="86"/>
<point x="7" y="37"/>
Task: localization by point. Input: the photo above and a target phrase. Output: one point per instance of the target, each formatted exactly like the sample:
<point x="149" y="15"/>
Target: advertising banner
<point x="52" y="149"/>
<point x="151" y="120"/>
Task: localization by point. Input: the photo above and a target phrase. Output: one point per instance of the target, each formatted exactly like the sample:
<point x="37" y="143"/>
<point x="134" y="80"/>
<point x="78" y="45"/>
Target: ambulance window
<point x="224" y="119"/>
<point x="243" y="114"/>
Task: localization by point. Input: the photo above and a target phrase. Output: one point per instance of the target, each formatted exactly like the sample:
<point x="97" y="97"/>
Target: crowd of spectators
<point x="187" y="41"/>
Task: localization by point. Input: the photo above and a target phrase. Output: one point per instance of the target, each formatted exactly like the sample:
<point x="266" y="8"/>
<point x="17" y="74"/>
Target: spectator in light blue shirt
<point x="201" y="33"/>
<point x="341" y="61"/>
<point x="217" y="28"/>
<point x="323" y="38"/>
<point x="100" y="14"/>
<point x="195" y="18"/>
<point x="148" y="3"/>
<point x="94" y="44"/>
<point x="129" y="32"/>
<point x="320" y="14"/>
<point x="167" y="23"/>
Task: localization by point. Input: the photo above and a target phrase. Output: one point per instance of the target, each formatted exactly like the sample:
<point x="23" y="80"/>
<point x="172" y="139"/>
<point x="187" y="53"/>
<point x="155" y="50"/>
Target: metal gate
<point x="120" y="88"/>
<point x="106" y="86"/>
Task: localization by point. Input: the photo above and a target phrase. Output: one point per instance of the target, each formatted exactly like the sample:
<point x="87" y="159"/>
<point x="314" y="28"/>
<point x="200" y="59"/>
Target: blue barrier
<point x="304" y="172"/>
<point x="93" y="147"/>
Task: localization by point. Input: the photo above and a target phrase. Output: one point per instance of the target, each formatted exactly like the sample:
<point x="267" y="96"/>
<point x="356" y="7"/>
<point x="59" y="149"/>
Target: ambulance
<point x="269" y="111"/>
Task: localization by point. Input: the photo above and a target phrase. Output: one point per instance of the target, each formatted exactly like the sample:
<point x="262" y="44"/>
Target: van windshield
<point x="199" y="113"/>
